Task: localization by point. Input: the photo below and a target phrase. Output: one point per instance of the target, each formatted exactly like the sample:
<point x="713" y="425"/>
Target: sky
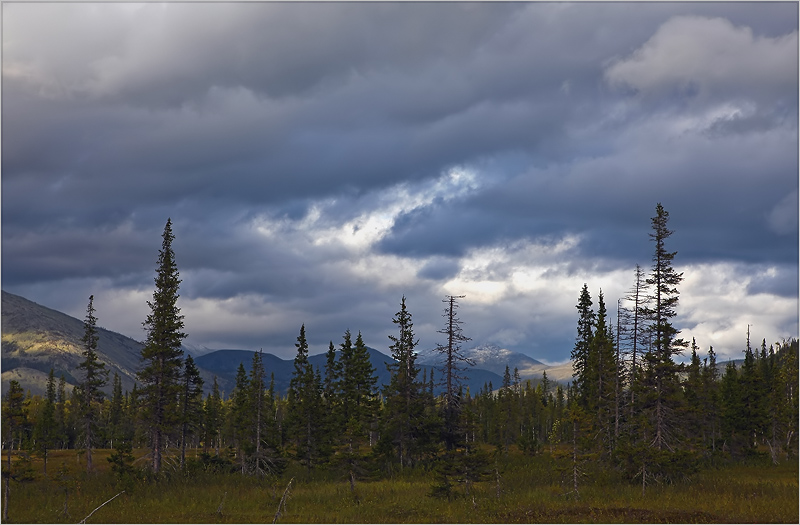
<point x="319" y="161"/>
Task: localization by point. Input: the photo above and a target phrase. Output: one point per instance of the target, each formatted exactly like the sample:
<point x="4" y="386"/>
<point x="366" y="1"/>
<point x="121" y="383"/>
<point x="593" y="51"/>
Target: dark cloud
<point x="781" y="281"/>
<point x="320" y="160"/>
<point x="439" y="269"/>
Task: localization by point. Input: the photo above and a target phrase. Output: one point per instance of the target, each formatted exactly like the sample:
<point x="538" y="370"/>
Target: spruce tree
<point x="788" y="402"/>
<point x="14" y="419"/>
<point x="358" y="405"/>
<point x="330" y="392"/>
<point x="264" y="457"/>
<point x="404" y="406"/>
<point x="602" y="361"/>
<point x="581" y="365"/>
<point x="241" y="416"/>
<point x="212" y="419"/>
<point x="694" y="392"/>
<point x="507" y="424"/>
<point x="734" y="427"/>
<point x="191" y="403"/>
<point x="304" y="405"/>
<point x="61" y="411"/>
<point x="752" y="395"/>
<point x="710" y="401"/>
<point x="332" y="373"/>
<point x="257" y="387"/>
<point x="662" y="370"/>
<point x="162" y="353"/>
<point x="358" y="390"/>
<point x="344" y="387"/>
<point x="45" y="430"/>
<point x="116" y="411"/>
<point x="94" y="378"/>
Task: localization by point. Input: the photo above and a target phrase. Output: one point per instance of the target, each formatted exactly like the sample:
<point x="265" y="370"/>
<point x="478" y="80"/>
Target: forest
<point x="646" y="412"/>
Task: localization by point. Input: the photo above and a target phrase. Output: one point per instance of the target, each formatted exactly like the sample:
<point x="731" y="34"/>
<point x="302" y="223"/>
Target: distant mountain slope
<point x="225" y="363"/>
<point x="36" y="338"/>
<point x="492" y="358"/>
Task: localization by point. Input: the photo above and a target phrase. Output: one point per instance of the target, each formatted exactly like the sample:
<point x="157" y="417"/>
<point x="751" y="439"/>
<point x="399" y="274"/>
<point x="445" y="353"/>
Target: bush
<point x="211" y="463"/>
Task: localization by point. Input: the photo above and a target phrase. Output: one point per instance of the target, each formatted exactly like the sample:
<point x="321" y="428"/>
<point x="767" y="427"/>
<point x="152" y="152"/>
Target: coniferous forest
<point x="648" y="416"/>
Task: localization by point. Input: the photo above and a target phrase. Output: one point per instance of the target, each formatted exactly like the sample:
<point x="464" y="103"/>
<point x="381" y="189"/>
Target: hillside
<point x="36" y="338"/>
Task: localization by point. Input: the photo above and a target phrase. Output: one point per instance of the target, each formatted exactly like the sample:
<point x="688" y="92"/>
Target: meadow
<point x="522" y="489"/>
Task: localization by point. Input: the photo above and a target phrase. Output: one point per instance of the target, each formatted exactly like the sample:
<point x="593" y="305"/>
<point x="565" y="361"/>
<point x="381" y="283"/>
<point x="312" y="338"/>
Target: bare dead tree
<point x="453" y="366"/>
<point x="633" y="332"/>
<point x="282" y="503"/>
<point x="98" y="508"/>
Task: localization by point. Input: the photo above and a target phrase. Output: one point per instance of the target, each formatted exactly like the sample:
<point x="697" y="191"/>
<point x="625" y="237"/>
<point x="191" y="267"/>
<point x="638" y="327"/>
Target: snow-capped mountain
<point x="493" y="358"/>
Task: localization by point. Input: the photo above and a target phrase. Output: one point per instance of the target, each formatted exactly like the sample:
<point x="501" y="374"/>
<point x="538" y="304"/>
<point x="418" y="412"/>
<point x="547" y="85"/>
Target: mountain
<point x="225" y="363"/>
<point x="36" y="338"/>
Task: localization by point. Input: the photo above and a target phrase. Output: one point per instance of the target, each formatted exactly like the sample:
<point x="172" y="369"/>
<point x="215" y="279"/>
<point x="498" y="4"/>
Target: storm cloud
<point x="321" y="160"/>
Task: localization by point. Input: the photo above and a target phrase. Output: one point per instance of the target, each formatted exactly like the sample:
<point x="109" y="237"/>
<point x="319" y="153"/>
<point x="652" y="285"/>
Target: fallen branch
<point x="283" y="501"/>
<point x="98" y="508"/>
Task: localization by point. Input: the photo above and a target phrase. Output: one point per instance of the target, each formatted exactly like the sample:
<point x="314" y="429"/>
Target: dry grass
<point x="531" y="493"/>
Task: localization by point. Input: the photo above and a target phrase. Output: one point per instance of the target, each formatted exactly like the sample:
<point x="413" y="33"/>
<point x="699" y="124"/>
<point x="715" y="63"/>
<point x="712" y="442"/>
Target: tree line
<point x="630" y="405"/>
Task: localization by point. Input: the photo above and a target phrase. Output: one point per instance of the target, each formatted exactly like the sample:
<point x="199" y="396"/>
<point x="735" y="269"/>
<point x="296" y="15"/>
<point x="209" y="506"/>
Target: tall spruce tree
<point x="662" y="370"/>
<point x="94" y="378"/>
<point x="330" y="398"/>
<point x="162" y="353"/>
<point x="358" y="406"/>
<point x="583" y="380"/>
<point x="602" y="360"/>
<point x="241" y="416"/>
<point x="357" y="388"/>
<point x="305" y="405"/>
<point x="257" y="387"/>
<point x="403" y="405"/>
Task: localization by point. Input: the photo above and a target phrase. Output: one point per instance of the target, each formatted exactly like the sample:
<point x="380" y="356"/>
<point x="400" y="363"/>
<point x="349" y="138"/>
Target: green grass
<point x="531" y="492"/>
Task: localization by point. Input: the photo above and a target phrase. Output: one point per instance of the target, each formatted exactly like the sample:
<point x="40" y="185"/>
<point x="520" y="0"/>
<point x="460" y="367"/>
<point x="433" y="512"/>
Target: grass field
<point x="530" y="491"/>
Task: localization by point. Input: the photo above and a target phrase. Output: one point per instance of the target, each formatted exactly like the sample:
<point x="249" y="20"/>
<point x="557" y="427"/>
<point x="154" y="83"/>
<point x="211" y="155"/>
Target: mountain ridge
<point x="36" y="338"/>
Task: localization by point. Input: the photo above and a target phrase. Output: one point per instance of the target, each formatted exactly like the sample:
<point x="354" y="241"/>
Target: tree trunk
<point x="88" y="447"/>
<point x="156" y="450"/>
<point x="644" y="477"/>
<point x="575" y="457"/>
<point x="183" y="443"/>
<point x="7" y="487"/>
